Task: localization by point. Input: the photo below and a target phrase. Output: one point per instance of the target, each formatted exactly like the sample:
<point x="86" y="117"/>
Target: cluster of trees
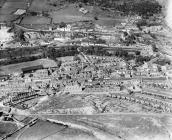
<point x="119" y="53"/>
<point x="19" y="52"/>
<point x="142" y="8"/>
<point x="141" y="23"/>
<point x="92" y="50"/>
<point x="163" y="62"/>
<point x="43" y="13"/>
<point x="101" y="51"/>
<point x="18" y="55"/>
<point x="19" y="60"/>
<point x="130" y="39"/>
<point x="53" y="53"/>
<point x="19" y="35"/>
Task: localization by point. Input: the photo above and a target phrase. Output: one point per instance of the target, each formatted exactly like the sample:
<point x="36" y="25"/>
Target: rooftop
<point x="32" y="68"/>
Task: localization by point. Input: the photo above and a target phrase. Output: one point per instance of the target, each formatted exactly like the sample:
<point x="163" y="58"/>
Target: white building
<point x="5" y="36"/>
<point x="83" y="10"/>
<point x="73" y="89"/>
<point x="20" y="12"/>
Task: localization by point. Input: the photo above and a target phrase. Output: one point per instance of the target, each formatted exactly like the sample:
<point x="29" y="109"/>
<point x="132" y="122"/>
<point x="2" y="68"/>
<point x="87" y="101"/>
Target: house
<point x="4" y="77"/>
<point x="73" y="89"/>
<point x="147" y="51"/>
<point x="41" y="73"/>
<point x="83" y="10"/>
<point x="20" y="12"/>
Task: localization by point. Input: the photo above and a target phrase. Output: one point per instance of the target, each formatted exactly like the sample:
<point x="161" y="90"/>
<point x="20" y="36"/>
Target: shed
<point x="32" y="68"/>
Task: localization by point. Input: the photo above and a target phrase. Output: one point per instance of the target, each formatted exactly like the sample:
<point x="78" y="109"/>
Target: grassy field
<point x="44" y="5"/>
<point x="69" y="14"/>
<point x="13" y="68"/>
<point x="117" y="127"/>
<point x="52" y="131"/>
<point x="6" y="128"/>
<point x="36" y="26"/>
<point x="2" y="2"/>
<point x="36" y="20"/>
<point x="4" y="18"/>
<point x="68" y="18"/>
<point x="15" y="5"/>
<point x="9" y="7"/>
<point x="108" y="21"/>
<point x="72" y="14"/>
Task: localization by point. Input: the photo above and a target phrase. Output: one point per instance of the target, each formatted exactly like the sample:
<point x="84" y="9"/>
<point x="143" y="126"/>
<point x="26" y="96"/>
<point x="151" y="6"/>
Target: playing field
<point x="36" y="20"/>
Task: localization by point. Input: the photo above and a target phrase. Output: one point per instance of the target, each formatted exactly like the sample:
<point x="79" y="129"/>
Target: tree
<point x="19" y="35"/>
<point x="62" y="25"/>
<point x="58" y="62"/>
<point x="33" y="13"/>
<point x="96" y="18"/>
<point x="76" y="58"/>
